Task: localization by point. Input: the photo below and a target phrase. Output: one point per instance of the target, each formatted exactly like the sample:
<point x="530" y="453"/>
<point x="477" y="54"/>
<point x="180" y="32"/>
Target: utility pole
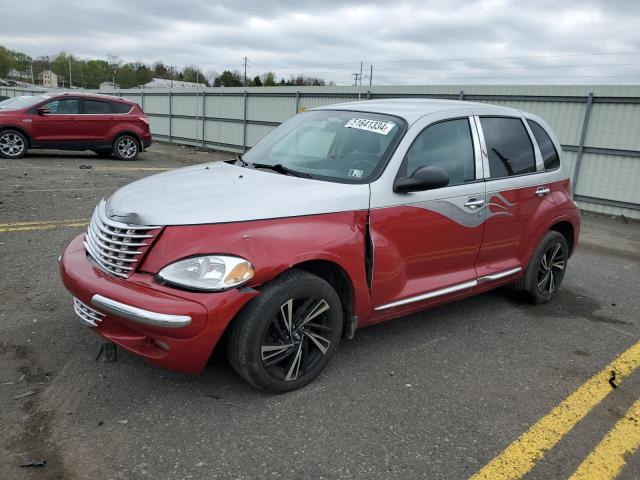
<point x="370" y="74"/>
<point x="356" y="75"/>
<point x="70" y="82"/>
<point x="360" y="73"/>
<point x="245" y="70"/>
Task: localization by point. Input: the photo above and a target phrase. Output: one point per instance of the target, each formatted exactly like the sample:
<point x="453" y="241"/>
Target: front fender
<point x="274" y="246"/>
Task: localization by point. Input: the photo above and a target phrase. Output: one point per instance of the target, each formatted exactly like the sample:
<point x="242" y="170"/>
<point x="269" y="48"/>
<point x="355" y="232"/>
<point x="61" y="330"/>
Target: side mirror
<point x="44" y="111"/>
<point x="424" y="178"/>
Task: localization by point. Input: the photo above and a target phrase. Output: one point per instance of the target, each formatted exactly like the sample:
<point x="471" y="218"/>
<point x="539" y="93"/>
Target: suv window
<point x="97" y="107"/>
<point x="63" y="106"/>
<point x="447" y="145"/>
<point x="509" y="146"/>
<point x="121" y="107"/>
<point x="547" y="149"/>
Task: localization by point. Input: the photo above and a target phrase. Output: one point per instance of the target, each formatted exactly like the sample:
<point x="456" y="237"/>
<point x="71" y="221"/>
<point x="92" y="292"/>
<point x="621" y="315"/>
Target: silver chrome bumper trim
<point x="139" y="315"/>
<point x="431" y="294"/>
<point x="87" y="315"/>
<point x="499" y="275"/>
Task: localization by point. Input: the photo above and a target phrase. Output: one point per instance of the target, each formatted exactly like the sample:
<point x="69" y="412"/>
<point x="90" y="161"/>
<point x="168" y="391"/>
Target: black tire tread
<point x="246" y="322"/>
<point x="114" y="148"/>
<point x="527" y="284"/>
<point x="24" y="139"/>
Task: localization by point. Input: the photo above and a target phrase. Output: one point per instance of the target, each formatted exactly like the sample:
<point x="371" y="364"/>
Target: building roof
<point x="168" y="83"/>
<point x="411" y="109"/>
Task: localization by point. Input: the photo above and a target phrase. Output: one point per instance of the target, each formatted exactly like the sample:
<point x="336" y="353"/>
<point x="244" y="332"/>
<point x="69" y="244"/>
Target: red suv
<point x="74" y="121"/>
<point x="344" y="216"/>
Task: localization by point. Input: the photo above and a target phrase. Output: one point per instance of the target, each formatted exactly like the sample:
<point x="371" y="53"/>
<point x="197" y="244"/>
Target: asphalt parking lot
<point x="433" y="395"/>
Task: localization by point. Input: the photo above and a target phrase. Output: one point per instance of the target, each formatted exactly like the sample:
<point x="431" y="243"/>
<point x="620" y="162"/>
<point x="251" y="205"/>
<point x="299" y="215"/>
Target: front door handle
<point x="474" y="203"/>
<point x="541" y="191"/>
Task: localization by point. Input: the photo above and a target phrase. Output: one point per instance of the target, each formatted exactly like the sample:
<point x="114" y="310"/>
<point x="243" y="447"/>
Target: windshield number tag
<point x="354" y="172"/>
<point x="370" y="125"/>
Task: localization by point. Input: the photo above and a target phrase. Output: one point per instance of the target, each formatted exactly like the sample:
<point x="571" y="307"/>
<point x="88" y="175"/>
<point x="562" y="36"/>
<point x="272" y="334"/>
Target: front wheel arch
<point x="245" y="333"/>
<point x="21" y="130"/>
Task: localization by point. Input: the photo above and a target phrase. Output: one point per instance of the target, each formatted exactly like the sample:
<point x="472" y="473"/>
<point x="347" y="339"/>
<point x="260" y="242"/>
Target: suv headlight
<point x="208" y="272"/>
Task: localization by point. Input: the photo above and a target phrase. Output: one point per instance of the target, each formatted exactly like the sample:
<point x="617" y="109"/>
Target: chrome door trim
<point x="499" y="275"/>
<point x="483" y="148"/>
<point x="428" y="295"/>
<point x="139" y="315"/>
<point x="477" y="149"/>
<point x="536" y="148"/>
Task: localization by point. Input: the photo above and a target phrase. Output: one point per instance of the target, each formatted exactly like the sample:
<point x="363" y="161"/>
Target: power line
<point x="636" y="52"/>
<point x="356" y="62"/>
<point x="582" y="65"/>
<point x="528" y="77"/>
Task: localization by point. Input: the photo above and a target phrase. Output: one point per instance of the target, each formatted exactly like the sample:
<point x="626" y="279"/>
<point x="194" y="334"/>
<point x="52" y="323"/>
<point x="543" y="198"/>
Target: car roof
<point x="411" y="109"/>
<point x="90" y="95"/>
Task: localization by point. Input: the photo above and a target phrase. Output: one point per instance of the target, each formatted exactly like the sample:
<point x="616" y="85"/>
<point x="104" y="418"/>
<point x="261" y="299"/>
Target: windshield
<point x="25" y="102"/>
<point x="342" y="146"/>
<point x="9" y="101"/>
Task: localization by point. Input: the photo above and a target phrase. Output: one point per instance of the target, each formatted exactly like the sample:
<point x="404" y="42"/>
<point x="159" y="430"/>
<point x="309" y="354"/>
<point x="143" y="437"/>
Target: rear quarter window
<point x="97" y="107"/>
<point x="508" y="146"/>
<point x="121" y="107"/>
<point x="547" y="149"/>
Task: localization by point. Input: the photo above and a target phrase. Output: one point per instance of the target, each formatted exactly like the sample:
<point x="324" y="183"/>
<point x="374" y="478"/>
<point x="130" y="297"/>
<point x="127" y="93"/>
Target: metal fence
<point x="598" y="126"/>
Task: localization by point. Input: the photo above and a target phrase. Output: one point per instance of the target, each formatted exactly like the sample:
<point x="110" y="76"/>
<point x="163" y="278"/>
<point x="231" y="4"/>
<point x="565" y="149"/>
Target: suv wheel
<point x="126" y="147"/>
<point x="13" y="144"/>
<point x="286" y="336"/>
<point x="546" y="269"/>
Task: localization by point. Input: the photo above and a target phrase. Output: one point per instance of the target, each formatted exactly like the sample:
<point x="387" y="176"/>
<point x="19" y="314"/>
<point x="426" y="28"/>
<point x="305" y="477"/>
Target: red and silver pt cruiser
<point x="342" y="217"/>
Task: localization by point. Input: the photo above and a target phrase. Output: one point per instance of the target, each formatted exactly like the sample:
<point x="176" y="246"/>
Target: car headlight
<point x="208" y="272"/>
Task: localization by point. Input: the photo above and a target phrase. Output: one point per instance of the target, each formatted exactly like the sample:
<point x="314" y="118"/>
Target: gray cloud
<point x="409" y="42"/>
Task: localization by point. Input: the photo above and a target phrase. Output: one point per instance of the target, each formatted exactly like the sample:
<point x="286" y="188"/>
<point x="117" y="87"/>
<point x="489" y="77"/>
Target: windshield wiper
<point x="236" y="159"/>
<point x="278" y="167"/>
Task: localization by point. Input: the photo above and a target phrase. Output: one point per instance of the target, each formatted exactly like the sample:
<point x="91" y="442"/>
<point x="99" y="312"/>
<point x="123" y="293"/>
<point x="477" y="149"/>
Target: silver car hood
<point x="220" y="193"/>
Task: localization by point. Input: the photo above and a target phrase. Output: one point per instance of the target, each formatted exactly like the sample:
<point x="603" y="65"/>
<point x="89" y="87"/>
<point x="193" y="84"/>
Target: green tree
<point x="5" y="62"/>
<point x="193" y="73"/>
<point x="160" y="70"/>
<point x="269" y="79"/>
<point x="256" y="82"/>
<point x="228" y="79"/>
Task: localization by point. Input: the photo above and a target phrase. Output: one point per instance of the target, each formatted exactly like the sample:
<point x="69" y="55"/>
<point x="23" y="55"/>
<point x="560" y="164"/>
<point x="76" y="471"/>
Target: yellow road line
<point x="608" y="458"/>
<point x="520" y="457"/>
<point x="50" y="226"/>
<point x="42" y="222"/>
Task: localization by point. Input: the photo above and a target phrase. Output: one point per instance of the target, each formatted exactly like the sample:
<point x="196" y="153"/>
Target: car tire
<point x="103" y="153"/>
<point x="126" y="147"/>
<point x="545" y="271"/>
<point x="274" y="345"/>
<point x="13" y="144"/>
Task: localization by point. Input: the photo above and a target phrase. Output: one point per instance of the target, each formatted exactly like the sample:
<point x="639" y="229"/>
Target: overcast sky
<point x="411" y="42"/>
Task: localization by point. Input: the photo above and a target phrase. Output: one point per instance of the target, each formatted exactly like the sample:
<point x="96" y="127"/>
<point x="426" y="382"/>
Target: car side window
<point x="547" y="149"/>
<point x="121" y="107"/>
<point x="63" y="106"/>
<point x="447" y="145"/>
<point x="97" y="107"/>
<point x="508" y="146"/>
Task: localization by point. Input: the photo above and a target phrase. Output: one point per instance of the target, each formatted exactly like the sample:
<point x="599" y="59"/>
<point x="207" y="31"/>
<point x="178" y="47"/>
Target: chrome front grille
<point x="87" y="314"/>
<point x="116" y="247"/>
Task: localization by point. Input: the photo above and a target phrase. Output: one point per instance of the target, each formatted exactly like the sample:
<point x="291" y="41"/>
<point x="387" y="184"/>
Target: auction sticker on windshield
<point x="370" y="125"/>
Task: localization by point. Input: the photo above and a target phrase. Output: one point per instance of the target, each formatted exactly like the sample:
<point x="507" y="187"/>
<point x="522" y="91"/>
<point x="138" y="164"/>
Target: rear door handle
<point x="540" y="191"/>
<point x="474" y="203"/>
